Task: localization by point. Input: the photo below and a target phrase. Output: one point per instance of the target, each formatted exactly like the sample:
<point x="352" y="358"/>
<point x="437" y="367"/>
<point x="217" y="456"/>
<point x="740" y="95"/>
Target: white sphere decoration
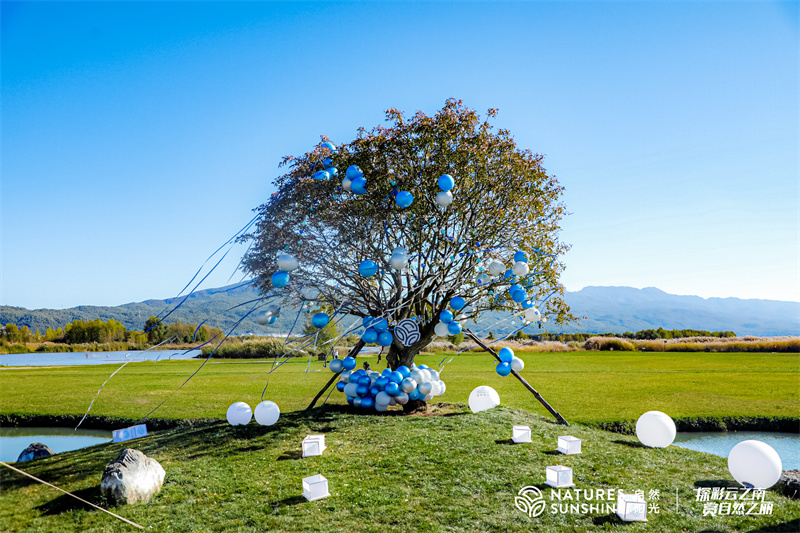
<point x="496" y="268"/>
<point x="346" y="183"/>
<point x="425" y="388"/>
<point x="517" y="364"/>
<point x="444" y="198"/>
<point x="416" y="375"/>
<point x="262" y="318"/>
<point x="408" y="385"/>
<point x="426" y="375"/>
<point x="655" y="429"/>
<point x="402" y="398"/>
<point x="267" y="413"/>
<point x="345" y="375"/>
<point x="520" y="268"/>
<point x="755" y="464"/>
<point x="287" y="262"/>
<point x="434" y="374"/>
<point x="441" y="330"/>
<point x="239" y="414"/>
<point x="398" y="261"/>
<point x="532" y="314"/>
<point x="400" y="251"/>
<point x="483" y="398"/>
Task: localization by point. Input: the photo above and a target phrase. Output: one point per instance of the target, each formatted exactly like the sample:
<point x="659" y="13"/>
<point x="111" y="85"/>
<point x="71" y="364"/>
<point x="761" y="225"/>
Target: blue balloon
<point x="279" y="279"/>
<point x="367" y="268"/>
<point x="332" y="171"/>
<point x="454" y="328"/>
<point x="506" y="355"/>
<point x="415" y="395"/>
<point x="320" y="320"/>
<point x="509" y="274"/>
<point x="327" y="163"/>
<point x="272" y="319"/>
<point x="457" y="303"/>
<point x="380" y="325"/>
<point x="367" y="321"/>
<point x="364" y="380"/>
<point x="392" y="389"/>
<point x="385" y="372"/>
<point x="381" y="382"/>
<point x="519" y="296"/>
<point x="423" y="367"/>
<point x="396" y="377"/>
<point x="341" y="385"/>
<point x="322" y="175"/>
<point x="373" y="391"/>
<point x="350" y="400"/>
<point x="520" y="256"/>
<point x="445" y="317"/>
<point x="446" y="182"/>
<point x="404" y="199"/>
<point x="370" y="336"/>
<point x="385" y="339"/>
<point x="367" y="403"/>
<point x="329" y="145"/>
<point x="359" y="372"/>
<point x="503" y="369"/>
<point x="515" y="287"/>
<point x="527" y="304"/>
<point x="404" y="370"/>
<point x="362" y="390"/>
<point x="349" y="363"/>
<point x="336" y="366"/>
<point x="353" y="172"/>
<point x="358" y="185"/>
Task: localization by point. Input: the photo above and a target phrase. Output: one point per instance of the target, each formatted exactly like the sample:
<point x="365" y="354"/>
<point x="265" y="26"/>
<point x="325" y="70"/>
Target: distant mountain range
<point x="606" y="309"/>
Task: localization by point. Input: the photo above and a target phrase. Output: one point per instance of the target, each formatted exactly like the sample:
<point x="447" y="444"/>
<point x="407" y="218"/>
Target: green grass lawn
<point x="457" y="471"/>
<point x="587" y="387"/>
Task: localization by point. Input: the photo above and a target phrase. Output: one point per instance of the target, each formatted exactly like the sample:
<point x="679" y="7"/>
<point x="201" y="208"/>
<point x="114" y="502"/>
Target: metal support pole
<point x="538" y="396"/>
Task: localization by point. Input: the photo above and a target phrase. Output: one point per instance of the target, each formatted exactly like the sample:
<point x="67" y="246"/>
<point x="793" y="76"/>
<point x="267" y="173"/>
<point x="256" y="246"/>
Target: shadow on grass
<point x="552" y="452"/>
<point x="630" y="444"/>
<point x="286" y="502"/>
<point x="610" y="518"/>
<point x="64" y="503"/>
<point x="505" y="441"/>
<point x="290" y="456"/>
<point x="717" y="483"/>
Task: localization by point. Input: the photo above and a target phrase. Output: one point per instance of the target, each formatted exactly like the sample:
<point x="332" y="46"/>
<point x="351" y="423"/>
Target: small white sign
<point x="313" y="445"/>
<point x="133" y="432"/>
<point x="521" y="434"/>
<point x="315" y="487"/>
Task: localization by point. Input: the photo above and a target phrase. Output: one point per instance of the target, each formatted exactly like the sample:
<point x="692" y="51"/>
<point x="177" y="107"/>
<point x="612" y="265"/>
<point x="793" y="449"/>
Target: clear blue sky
<point x="138" y="136"/>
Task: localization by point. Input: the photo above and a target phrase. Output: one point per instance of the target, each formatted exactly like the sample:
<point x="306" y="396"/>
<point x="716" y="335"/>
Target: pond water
<point x="92" y="358"/>
<point x="786" y="444"/>
<point x="14" y="440"/>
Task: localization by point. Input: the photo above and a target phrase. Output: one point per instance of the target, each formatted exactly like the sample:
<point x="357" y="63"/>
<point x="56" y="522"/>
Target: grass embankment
<point x="586" y="387"/>
<point x="454" y="472"/>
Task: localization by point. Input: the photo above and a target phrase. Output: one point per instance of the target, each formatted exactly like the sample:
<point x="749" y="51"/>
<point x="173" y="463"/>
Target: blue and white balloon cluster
<point x="377" y="330"/>
<point x="448" y="325"/>
<point x="286" y="263"/>
<point x="354" y="180"/>
<point x="508" y="362"/>
<point x="371" y="390"/>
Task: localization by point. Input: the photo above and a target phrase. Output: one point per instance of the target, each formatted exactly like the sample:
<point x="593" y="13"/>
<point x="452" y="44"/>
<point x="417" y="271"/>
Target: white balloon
<point x="444" y="388"/>
<point x="426" y="388"/>
<point x="517" y="364"/>
<point x="435" y="388"/>
<point x="416" y="375"/>
<point x="287" y="262"/>
<point x="267" y="413"/>
<point x="441" y="329"/>
<point x="401" y="398"/>
<point x="755" y="464"/>
<point x="655" y="429"/>
<point x="426" y="374"/>
<point x="496" y="268"/>
<point x="428" y="398"/>
<point x="239" y="414"/>
<point x="444" y="198"/>
<point x="392" y="401"/>
<point x="434" y="375"/>
<point x="483" y="398"/>
<point x="345" y="376"/>
<point x="398" y="261"/>
<point x="400" y="251"/>
<point x="382" y="398"/>
<point x="350" y="390"/>
<point x="408" y="385"/>
<point x="346" y="184"/>
<point x="380" y="407"/>
<point x="532" y="314"/>
<point x="520" y="268"/>
<point x="263" y="318"/>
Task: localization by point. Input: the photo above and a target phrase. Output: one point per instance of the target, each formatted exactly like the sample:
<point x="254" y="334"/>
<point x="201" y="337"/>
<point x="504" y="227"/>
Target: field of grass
<point x="457" y="471"/>
<point x="588" y="387"/>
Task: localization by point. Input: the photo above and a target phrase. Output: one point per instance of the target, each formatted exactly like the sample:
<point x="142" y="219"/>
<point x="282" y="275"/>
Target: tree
<point x="156" y="330"/>
<point x="503" y="202"/>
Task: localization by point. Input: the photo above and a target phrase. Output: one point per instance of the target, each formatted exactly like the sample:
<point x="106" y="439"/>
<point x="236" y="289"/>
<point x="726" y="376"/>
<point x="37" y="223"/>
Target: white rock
<point x="132" y="477"/>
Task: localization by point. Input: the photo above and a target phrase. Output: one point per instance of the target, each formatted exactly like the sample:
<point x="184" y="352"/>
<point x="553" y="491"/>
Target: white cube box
<point x="315" y="487"/>
<point x="313" y="445"/>
<point x="521" y="434"/>
<point x="631" y="508"/>
<point x="568" y="445"/>
<point x="559" y="477"/>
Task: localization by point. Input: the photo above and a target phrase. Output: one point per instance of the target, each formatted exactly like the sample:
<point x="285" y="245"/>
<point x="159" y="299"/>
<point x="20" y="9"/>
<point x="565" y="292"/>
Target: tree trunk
<point x="400" y="355"/>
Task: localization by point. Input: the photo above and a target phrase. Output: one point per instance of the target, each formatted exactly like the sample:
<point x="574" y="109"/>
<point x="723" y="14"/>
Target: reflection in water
<point x="14" y="440"/>
<point x="786" y="444"/>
